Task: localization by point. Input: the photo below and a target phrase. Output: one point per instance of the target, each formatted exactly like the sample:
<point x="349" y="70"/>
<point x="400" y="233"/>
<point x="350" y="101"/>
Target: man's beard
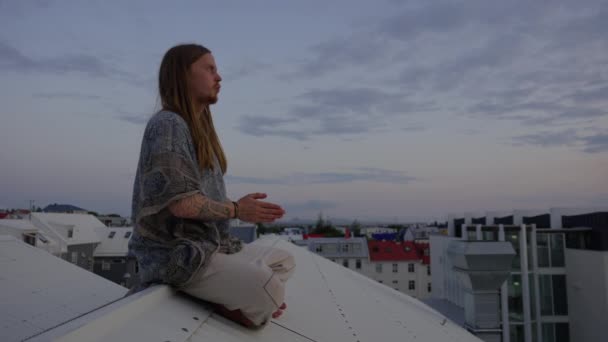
<point x="212" y="99"/>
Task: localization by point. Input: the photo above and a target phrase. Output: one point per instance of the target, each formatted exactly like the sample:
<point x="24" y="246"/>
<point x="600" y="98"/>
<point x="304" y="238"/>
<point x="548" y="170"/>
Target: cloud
<point x="548" y="139"/>
<point x="594" y="143"/>
<point x="270" y="126"/>
<point x="66" y="95"/>
<point x="359" y="175"/>
<point x="312" y="205"/>
<point x="359" y="49"/>
<point x="11" y="59"/>
<point x="246" y="70"/>
<point x="535" y="63"/>
<point x="134" y="118"/>
<point x="254" y="180"/>
<point x="598" y="94"/>
<point x="336" y="111"/>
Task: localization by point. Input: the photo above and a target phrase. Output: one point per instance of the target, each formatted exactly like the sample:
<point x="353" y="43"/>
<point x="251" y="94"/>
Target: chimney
<point x="482" y="267"/>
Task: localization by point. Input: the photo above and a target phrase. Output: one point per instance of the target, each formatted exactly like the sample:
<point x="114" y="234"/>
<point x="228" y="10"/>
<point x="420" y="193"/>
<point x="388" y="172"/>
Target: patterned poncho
<point x="169" y="249"/>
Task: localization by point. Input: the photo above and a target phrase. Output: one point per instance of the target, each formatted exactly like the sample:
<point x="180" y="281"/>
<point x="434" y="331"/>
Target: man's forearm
<point x="199" y="207"/>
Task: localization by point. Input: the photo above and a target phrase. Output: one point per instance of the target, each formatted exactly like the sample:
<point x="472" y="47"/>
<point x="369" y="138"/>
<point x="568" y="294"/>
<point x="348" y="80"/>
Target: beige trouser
<point x="252" y="280"/>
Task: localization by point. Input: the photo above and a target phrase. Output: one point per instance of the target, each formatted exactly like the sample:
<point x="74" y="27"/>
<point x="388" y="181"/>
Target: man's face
<point x="204" y="80"/>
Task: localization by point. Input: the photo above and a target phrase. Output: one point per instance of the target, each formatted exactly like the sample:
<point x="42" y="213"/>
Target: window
<point x="553" y="295"/>
<point x="105" y="265"/>
<point x="70" y="233"/>
<point x="557" y="250"/>
<point x="395" y="268"/>
<point x="29" y="239"/>
<point x="43" y="238"/>
<point x="428" y="287"/>
<point x="127" y="235"/>
<point x="345" y="263"/>
<point x="345" y="248"/>
<point x="428" y="270"/>
<point x="112" y="234"/>
<point x="356" y="247"/>
<point x="358" y="264"/>
<point x="388" y="250"/>
<point x="375" y="249"/>
<point x="556" y="332"/>
<point x="395" y="281"/>
<point x="319" y="248"/>
<point x="410" y="268"/>
<point x="330" y="248"/>
<point x="378" y="268"/>
<point x="74" y="257"/>
<point x="412" y="285"/>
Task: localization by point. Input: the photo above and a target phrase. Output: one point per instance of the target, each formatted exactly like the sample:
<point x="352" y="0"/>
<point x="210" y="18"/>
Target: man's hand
<point x="255" y="211"/>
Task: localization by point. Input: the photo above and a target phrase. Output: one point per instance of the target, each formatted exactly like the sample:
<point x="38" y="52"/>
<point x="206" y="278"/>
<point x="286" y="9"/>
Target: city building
<point x="402" y="265"/>
<point x="111" y="257"/>
<point x="246" y="233"/>
<point x="113" y="220"/>
<point x="326" y="302"/>
<point x="25" y="231"/>
<point x="545" y="282"/>
<point x="75" y="234"/>
<point x="349" y="252"/>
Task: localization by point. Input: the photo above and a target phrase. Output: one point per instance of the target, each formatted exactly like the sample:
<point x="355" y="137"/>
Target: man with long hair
<point x="180" y="209"/>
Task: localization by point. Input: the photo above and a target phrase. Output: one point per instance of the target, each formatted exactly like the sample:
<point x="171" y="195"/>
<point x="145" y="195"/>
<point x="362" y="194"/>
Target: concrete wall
<point x="587" y="285"/>
<point x="81" y="255"/>
<point x="444" y="280"/>
<point x="119" y="266"/>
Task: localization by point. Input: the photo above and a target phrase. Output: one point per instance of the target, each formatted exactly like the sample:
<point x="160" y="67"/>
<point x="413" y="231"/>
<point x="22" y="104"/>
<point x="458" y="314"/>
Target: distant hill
<point x="61" y="208"/>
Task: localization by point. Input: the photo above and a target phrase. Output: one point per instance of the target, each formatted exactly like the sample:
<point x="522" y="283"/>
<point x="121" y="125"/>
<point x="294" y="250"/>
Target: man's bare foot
<point x="277" y="314"/>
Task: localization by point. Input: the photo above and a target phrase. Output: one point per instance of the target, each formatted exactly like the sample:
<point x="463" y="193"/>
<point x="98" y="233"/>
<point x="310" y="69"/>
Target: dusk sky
<point x="393" y="110"/>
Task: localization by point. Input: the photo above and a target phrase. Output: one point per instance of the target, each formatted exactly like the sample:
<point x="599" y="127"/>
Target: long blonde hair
<point x="174" y="96"/>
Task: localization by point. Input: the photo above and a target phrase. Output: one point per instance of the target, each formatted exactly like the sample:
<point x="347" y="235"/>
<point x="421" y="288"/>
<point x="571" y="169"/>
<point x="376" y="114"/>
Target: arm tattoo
<point x="201" y="208"/>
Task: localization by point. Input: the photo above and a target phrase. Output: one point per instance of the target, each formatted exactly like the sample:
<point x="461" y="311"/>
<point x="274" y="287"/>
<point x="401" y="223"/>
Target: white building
<point x="587" y="284"/>
<point x="550" y="247"/>
<point x="326" y="302"/>
<point x="75" y="234"/>
<point x="403" y="266"/>
<point x="111" y="256"/>
<point x="368" y="231"/>
<point x="25" y="231"/>
<point x="39" y="293"/>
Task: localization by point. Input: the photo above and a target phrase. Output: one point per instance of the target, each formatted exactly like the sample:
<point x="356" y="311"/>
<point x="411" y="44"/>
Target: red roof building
<point x="399" y="251"/>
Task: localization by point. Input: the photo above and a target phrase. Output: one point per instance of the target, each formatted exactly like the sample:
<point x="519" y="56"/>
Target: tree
<point x="397" y="226"/>
<point x="356" y="228"/>
<point x="261" y="229"/>
<point x="320" y="222"/>
<point x="328" y="231"/>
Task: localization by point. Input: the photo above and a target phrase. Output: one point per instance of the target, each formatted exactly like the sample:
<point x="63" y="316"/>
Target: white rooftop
<point x="25" y="226"/>
<point x="17" y="228"/>
<point x="326" y="302"/>
<point x="114" y="241"/>
<point x="39" y="291"/>
<point x="82" y="226"/>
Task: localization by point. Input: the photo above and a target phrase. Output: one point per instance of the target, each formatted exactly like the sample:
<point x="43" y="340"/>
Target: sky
<point x="393" y="110"/>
